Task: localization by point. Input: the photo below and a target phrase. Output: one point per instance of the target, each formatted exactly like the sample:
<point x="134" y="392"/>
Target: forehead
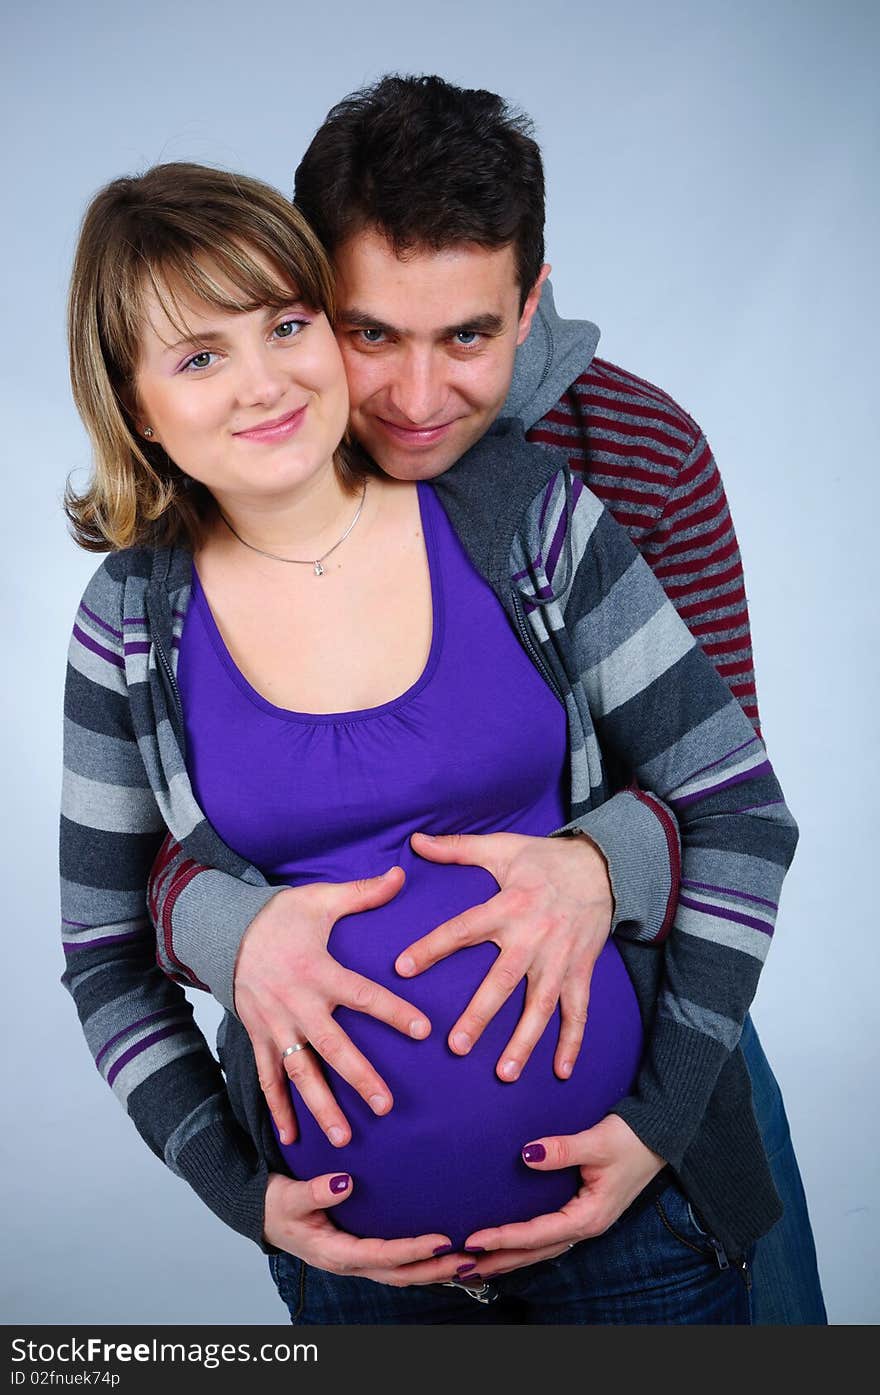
<point x="424" y="286"/>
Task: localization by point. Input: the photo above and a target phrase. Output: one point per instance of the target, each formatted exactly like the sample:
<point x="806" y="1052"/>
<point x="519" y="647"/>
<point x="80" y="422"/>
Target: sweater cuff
<point x="230" y="1179"/>
<point x="676" y="1080"/>
<point x="209" y="919"/>
<point x="639" y="840"/>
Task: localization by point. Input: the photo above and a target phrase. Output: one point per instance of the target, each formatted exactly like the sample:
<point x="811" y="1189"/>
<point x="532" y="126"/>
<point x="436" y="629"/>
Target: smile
<point x="276" y="430"/>
<point x="416" y="435"/>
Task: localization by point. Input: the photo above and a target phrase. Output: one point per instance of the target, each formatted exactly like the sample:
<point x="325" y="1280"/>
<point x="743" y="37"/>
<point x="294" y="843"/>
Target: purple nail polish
<point x="340" y="1183"/>
<point x="464" y="1269"/>
<point x="534" y="1152"/>
<point x="474" y="1250"/>
<point x="444" y="1250"/>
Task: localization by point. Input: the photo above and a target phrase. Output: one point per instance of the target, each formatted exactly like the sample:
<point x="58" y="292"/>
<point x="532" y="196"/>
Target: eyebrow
<point x="216" y="336"/>
<point x="475" y="324"/>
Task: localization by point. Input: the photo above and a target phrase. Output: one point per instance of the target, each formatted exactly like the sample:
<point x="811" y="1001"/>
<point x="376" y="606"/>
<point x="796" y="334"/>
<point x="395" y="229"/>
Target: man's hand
<point x="296" y="1220"/>
<point x="614" y="1165"/>
<point x="287" y="985"/>
<point x="551" y="919"/>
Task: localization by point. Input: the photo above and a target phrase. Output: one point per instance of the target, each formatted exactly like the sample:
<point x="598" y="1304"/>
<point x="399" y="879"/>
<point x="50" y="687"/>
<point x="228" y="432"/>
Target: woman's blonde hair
<point x="177" y="227"/>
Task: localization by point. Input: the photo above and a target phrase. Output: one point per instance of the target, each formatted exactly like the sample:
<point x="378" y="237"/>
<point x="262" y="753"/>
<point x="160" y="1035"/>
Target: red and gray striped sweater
<point x="651" y="466"/>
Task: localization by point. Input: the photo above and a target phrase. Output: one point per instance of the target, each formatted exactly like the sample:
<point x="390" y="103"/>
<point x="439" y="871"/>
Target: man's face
<point x="428" y="341"/>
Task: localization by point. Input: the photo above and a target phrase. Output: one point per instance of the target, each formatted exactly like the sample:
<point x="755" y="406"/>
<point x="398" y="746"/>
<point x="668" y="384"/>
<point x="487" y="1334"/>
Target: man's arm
<point x="660" y="707"/>
<point x="650" y="464"/>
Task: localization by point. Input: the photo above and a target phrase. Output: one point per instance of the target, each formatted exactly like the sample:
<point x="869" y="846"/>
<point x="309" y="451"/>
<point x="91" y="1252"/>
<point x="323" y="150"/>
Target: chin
<point x="417" y="464"/>
<point x="412" y="470"/>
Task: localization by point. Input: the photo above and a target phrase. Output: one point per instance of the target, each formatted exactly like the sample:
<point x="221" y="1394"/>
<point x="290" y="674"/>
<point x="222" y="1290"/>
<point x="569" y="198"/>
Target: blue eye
<point x="372" y="335"/>
<point x="466" y="337"/>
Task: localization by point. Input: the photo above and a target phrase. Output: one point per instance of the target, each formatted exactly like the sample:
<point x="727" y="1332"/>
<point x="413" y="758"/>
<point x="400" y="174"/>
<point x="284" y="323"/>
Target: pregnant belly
<point x="447" y="1157"/>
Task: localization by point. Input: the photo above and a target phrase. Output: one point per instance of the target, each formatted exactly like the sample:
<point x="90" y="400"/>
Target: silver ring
<point x="291" y="1050"/>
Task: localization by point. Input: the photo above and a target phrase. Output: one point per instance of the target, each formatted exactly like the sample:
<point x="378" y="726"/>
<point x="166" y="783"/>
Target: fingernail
<point x="419" y="1028"/>
<point x="283" y="1136"/>
<point x="509" y="1070"/>
<point x="462" y="1042"/>
<point x="566" y="1068"/>
<point x="340" y="1183"/>
<point x="336" y="1136"/>
<point x="405" y="964"/>
<point x="432" y="837"/>
<point x="443" y="1250"/>
<point x="474" y="1250"/>
<point x="464" y="1269"/>
<point x="534" y="1152"/>
<point x="378" y="1103"/>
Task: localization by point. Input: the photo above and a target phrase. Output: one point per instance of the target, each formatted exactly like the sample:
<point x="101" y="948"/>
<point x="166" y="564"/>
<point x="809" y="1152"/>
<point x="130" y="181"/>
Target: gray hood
<point x="556" y="352"/>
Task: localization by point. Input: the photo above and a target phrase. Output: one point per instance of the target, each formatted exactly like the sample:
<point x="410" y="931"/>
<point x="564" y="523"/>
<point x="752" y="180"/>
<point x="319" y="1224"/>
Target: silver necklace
<point x="317" y="562"/>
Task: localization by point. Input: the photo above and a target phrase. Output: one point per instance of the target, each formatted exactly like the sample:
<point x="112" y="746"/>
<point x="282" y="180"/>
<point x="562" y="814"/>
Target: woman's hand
<point x="615" y="1166"/>
<point x="551" y="919"/>
<point x="296" y="1220"/>
<point x="287" y="985"/>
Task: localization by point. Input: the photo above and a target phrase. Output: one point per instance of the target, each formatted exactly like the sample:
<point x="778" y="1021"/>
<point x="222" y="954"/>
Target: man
<point x="430" y="202"/>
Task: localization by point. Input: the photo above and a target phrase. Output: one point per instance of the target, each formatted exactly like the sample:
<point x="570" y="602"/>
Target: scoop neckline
<point x="203" y="609"/>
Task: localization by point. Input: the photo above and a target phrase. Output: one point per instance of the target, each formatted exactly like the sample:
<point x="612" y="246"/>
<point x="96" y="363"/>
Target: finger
<point x="504" y="976"/>
<point x="555" y="1229"/>
<point x="321" y="1193"/>
<point x="304" y="1074"/>
<point x="574" y="1001"/>
<point x="506" y="1261"/>
<point x="540" y="1004"/>
<point x="433" y="1271"/>
<point x="416" y="1249"/>
<point x="423" y="1259"/>
<point x="365" y="894"/>
<point x="490" y="850"/>
<point x="473" y="926"/>
<point x="557" y="1151"/>
<point x="334" y="1046"/>
<point x="274" y="1085"/>
<point x="364" y="995"/>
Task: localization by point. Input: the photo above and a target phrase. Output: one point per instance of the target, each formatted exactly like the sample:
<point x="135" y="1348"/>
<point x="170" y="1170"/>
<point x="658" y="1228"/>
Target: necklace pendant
<point x="319" y="570"/>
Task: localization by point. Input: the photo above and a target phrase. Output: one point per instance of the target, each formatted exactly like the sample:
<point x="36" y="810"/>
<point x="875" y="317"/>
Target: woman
<point x="204" y="364"/>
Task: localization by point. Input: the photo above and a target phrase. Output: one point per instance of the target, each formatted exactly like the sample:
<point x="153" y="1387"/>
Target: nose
<point x="262" y="380"/>
<point x="419" y="391"/>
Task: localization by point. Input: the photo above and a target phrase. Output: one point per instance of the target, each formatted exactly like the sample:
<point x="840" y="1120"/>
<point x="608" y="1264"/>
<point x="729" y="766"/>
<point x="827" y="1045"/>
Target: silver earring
<point x="148" y="432"/>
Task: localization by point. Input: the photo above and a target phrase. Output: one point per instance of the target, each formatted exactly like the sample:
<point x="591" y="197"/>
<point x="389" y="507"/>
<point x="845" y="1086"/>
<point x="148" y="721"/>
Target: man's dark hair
<point x="429" y="165"/>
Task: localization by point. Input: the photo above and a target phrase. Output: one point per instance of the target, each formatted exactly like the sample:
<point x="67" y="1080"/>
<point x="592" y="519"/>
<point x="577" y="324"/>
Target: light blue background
<point x="713" y="206"/>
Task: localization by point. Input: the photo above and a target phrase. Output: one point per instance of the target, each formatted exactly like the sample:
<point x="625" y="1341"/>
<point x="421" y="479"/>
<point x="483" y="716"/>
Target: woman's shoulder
<point x="118" y="585"/>
<point x="117" y="568"/>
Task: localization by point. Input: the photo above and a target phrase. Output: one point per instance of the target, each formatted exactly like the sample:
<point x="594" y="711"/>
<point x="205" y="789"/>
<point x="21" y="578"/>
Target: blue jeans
<point x="656" y="1266"/>
<point x="785" y="1280"/>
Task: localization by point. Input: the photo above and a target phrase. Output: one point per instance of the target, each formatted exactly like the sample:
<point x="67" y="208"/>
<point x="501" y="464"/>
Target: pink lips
<point x="416" y="436"/>
<point x="276" y="430"/>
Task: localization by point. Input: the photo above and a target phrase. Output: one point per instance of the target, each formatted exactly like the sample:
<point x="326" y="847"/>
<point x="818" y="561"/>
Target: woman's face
<point x="252" y="404"/>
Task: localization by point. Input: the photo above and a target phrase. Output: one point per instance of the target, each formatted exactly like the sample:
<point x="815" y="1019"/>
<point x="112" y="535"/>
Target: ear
<point x="138" y="421"/>
<point x="532" y="302"/>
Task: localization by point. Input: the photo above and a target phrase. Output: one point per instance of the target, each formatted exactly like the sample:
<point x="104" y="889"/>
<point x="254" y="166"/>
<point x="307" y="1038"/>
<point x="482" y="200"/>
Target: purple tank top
<point x="477" y="744"/>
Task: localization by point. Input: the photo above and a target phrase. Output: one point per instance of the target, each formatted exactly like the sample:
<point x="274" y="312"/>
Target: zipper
<point x="720" y="1257"/>
<point x="530" y="647"/>
<point x="172" y="681"/>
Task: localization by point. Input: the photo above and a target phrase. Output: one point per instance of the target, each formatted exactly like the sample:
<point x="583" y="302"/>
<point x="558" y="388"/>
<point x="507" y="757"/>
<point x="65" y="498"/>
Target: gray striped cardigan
<point x="641" y="699"/>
